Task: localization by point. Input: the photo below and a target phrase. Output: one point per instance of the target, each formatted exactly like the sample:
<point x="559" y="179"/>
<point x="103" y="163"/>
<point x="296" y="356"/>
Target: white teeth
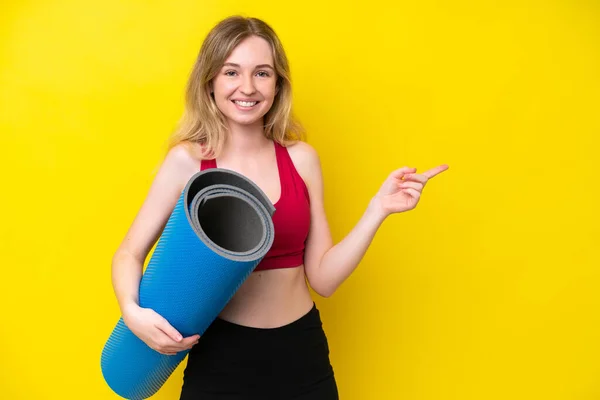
<point x="245" y="103"/>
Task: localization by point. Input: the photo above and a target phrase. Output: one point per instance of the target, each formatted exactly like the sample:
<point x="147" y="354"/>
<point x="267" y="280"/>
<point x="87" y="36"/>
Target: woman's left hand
<point x="402" y="189"/>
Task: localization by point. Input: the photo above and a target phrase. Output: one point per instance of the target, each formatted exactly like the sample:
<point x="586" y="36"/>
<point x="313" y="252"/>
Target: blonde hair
<point x="202" y="122"/>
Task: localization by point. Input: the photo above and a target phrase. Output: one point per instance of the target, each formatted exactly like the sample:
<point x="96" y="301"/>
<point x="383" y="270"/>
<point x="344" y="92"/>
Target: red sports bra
<point x="291" y="219"/>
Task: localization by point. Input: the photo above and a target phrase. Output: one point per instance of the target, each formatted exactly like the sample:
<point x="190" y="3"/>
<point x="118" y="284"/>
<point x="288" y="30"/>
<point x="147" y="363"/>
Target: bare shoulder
<point x="184" y="155"/>
<point x="306" y="160"/>
<point x="178" y="166"/>
<point x="182" y="161"/>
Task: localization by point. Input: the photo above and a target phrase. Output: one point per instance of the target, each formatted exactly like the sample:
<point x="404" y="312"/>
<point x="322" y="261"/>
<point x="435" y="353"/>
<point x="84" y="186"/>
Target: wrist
<point x="129" y="308"/>
<point x="376" y="210"/>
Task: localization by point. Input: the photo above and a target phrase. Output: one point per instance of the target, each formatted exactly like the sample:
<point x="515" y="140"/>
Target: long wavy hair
<point x="202" y="122"/>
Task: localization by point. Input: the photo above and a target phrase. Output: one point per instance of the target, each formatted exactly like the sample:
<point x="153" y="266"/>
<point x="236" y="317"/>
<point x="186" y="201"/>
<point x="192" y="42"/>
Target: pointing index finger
<point x="435" y="171"/>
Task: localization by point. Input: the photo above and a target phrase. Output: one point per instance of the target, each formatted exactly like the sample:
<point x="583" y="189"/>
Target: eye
<point x="263" y="74"/>
<point x="230" y="73"/>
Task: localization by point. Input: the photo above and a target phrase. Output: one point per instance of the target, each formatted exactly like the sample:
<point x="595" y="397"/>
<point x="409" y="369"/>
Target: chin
<point x="249" y="119"/>
<point x="244" y="121"/>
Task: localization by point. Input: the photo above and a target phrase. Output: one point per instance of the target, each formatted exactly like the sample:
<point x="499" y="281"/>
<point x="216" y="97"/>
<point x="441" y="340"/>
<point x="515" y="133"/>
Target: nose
<point x="247" y="86"/>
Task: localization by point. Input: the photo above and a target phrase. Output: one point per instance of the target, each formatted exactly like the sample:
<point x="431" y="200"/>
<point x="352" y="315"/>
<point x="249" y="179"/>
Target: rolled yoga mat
<point x="218" y="232"/>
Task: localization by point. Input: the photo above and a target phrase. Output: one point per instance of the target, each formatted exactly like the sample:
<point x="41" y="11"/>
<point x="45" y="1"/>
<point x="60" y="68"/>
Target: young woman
<point x="268" y="342"/>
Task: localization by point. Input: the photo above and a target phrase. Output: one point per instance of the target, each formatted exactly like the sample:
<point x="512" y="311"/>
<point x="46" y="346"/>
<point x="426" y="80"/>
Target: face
<point x="245" y="87"/>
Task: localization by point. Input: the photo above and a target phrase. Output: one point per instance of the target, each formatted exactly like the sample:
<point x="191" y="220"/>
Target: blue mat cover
<point x="218" y="232"/>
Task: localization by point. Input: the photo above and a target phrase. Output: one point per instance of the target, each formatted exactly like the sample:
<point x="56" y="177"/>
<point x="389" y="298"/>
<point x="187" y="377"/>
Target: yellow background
<point x="488" y="290"/>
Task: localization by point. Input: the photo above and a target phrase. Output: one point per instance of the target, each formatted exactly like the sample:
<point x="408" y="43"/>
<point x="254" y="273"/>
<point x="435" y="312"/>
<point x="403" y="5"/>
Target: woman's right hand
<point x="156" y="331"/>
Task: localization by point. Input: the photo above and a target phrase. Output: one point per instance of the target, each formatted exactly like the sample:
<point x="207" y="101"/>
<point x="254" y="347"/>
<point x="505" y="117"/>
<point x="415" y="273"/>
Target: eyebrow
<point x="258" y="66"/>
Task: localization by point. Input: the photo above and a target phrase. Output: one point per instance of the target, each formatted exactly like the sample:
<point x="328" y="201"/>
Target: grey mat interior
<point x="230" y="213"/>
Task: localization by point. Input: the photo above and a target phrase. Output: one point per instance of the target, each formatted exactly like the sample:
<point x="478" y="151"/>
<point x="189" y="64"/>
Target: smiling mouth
<point x="245" y="103"/>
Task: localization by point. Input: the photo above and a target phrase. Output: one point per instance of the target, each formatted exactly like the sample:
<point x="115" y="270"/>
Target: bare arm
<point x="128" y="260"/>
<point x="327" y="265"/>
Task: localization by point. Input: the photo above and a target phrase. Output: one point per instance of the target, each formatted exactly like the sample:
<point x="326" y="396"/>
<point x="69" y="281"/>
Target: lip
<point x="242" y="108"/>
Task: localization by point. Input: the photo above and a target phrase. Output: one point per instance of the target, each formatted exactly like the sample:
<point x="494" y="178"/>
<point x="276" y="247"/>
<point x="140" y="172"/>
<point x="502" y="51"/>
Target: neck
<point x="243" y="140"/>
